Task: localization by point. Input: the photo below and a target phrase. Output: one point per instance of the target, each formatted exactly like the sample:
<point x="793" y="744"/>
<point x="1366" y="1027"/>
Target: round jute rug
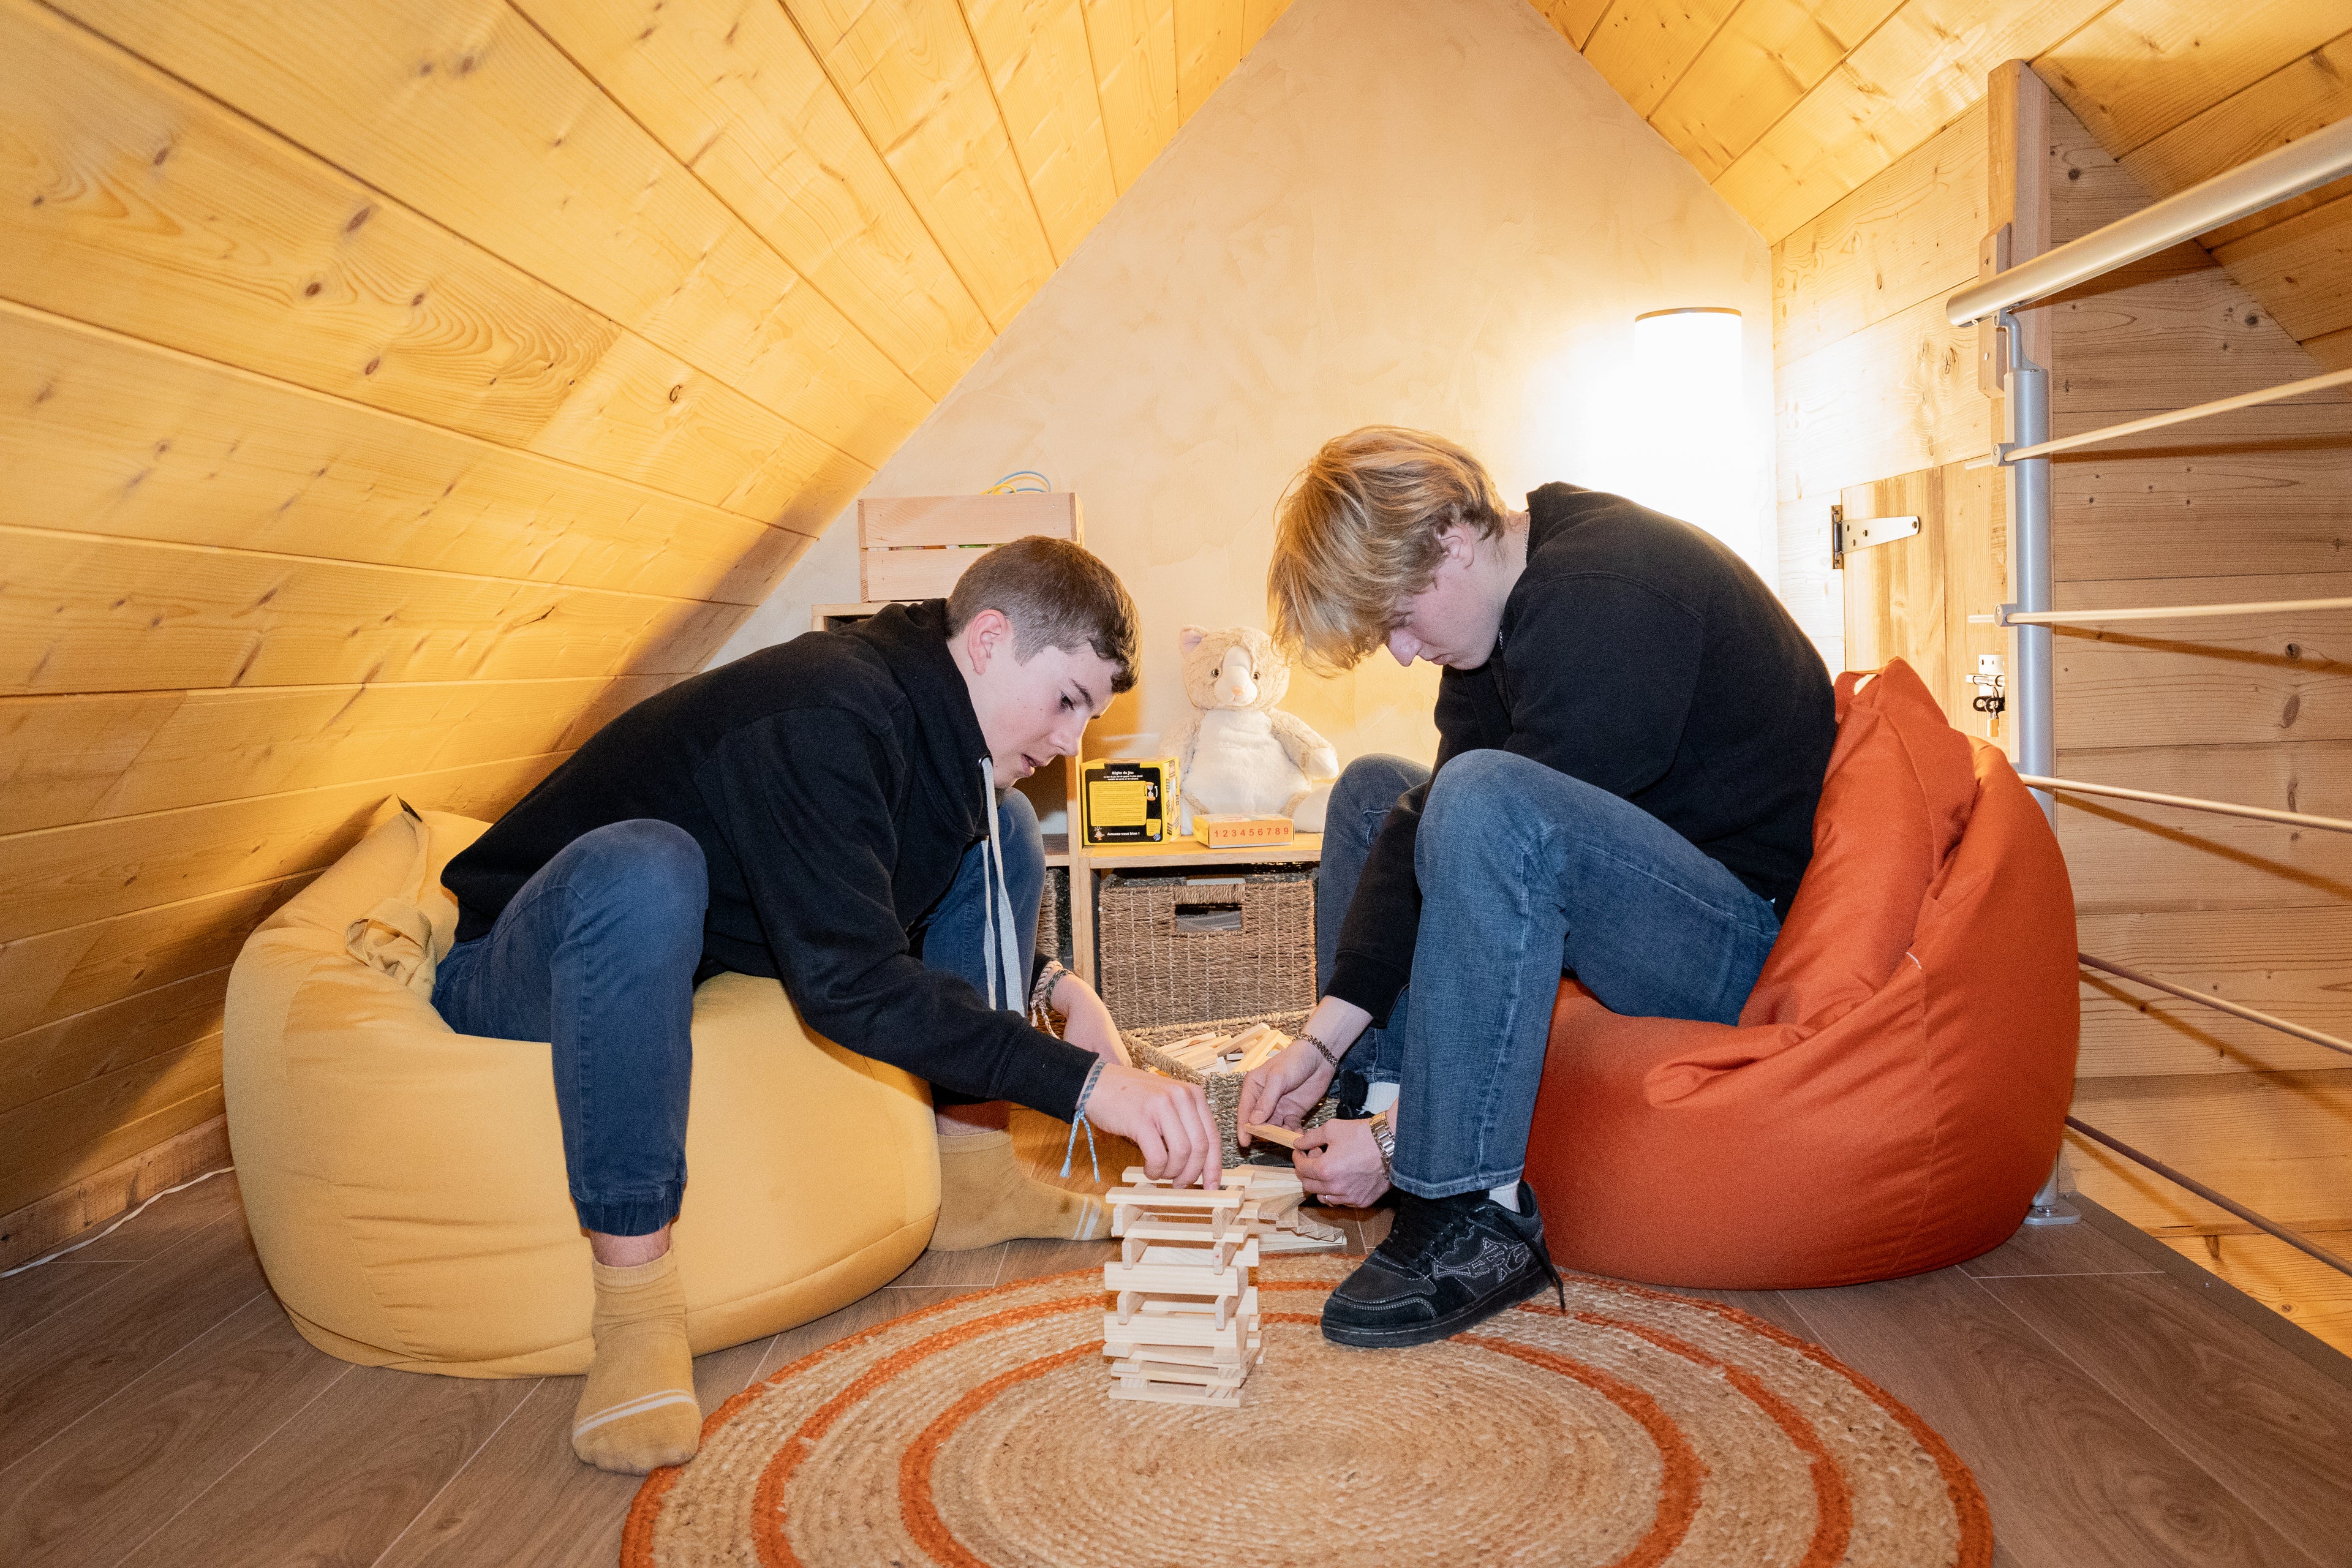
<point x="1637" y="1429"/>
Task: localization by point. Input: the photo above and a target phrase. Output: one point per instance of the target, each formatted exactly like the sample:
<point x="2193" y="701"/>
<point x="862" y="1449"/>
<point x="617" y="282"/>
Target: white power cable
<point x="118" y="1225"/>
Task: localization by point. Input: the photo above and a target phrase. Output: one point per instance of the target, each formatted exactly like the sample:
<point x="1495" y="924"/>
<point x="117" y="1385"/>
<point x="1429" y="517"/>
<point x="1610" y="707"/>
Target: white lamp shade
<point x="1688" y="452"/>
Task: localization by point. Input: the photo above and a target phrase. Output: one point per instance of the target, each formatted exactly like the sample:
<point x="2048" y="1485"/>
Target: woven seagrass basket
<point x="1224" y="1088"/>
<point x="1054" y="915"/>
<point x="1174" y="951"/>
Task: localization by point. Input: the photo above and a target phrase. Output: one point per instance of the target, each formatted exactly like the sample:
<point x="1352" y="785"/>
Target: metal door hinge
<point x="1861" y="534"/>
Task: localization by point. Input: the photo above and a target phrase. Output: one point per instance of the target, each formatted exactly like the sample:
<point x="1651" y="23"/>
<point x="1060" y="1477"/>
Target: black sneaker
<point x="1447" y="1264"/>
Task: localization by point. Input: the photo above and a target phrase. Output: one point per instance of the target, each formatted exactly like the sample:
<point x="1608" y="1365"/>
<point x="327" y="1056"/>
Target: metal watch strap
<point x="1384" y="1139"/>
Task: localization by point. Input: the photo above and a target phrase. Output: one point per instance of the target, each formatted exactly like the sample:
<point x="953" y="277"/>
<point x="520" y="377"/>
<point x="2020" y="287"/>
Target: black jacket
<point x="834" y="782"/>
<point x="1641" y="655"/>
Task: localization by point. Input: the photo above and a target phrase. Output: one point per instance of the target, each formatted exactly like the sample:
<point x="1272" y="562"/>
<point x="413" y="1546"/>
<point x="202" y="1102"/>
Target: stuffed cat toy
<point x="1236" y="752"/>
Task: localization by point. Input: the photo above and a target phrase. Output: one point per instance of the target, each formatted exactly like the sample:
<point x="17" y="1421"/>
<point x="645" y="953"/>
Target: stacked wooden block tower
<point x="1184" y="1329"/>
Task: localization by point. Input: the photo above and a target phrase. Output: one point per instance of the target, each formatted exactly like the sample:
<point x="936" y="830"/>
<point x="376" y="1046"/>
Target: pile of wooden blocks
<point x="1244" y="1052"/>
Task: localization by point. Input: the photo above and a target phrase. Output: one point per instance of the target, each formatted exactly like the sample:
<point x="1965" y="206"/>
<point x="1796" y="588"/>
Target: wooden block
<point x="1153" y="1325"/>
<point x="1163" y="1372"/>
<point x="1232" y="1192"/>
<point x="1138" y="1231"/>
<point x="1228" y="830"/>
<point x="1187" y="1356"/>
<point x="1150" y="1394"/>
<point x="1308" y="1238"/>
<point x="1185" y="1278"/>
<point x="1270" y="1133"/>
<point x="1156" y="1336"/>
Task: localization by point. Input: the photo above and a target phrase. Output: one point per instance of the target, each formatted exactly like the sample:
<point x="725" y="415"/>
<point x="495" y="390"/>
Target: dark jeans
<point x="596" y="955"/>
<point x="1526" y="873"/>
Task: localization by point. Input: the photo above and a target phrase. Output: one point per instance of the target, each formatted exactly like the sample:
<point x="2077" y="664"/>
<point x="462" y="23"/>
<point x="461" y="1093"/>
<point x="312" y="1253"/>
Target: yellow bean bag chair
<point x="405" y="1183"/>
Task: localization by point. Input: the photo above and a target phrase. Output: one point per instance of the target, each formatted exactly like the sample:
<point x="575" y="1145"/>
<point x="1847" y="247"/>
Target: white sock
<point x="1507" y="1194"/>
<point x="1379" y="1096"/>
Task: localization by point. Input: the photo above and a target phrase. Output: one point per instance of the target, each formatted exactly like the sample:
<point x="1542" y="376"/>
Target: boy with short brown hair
<point x="826" y="812"/>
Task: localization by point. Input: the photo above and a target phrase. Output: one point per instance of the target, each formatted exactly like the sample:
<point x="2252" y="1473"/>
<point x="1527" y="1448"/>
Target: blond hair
<point x="1357" y="533"/>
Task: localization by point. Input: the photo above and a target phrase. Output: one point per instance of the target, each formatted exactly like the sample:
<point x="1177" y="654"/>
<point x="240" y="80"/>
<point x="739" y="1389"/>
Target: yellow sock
<point x="638" y="1411"/>
<point x="984" y="1198"/>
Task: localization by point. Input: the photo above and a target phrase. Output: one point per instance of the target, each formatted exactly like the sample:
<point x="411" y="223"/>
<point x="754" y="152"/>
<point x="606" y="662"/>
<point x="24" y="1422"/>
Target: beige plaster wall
<point x="1422" y="211"/>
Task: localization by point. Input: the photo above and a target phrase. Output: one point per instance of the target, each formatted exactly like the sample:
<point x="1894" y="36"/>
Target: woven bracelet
<point x="1078" y="1119"/>
<point x="1041" y="995"/>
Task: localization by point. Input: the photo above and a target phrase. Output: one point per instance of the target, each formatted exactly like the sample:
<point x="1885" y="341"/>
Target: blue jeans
<point x="1526" y="874"/>
<point x="596" y="954"/>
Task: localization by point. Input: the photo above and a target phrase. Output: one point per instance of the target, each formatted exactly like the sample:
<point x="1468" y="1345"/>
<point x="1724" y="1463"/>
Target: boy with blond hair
<point x="1632" y="735"/>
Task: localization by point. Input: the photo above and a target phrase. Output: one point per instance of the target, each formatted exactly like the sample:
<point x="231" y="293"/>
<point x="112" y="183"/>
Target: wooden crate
<point x="915" y="547"/>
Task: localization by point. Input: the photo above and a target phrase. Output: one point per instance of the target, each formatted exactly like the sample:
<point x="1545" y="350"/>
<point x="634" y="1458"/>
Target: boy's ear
<point x="1190" y="638"/>
<point x="989" y="634"/>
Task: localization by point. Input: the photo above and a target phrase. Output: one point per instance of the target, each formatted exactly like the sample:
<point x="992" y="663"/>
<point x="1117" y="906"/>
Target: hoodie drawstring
<point x="1004" y="955"/>
<point x="1004" y="977"/>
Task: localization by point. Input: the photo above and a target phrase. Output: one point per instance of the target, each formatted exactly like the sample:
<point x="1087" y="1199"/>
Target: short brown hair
<point x="1056" y="594"/>
<point x="1357" y="534"/>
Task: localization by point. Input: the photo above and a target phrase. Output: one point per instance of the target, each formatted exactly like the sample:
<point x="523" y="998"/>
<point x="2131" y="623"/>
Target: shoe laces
<point x="1422" y="1224"/>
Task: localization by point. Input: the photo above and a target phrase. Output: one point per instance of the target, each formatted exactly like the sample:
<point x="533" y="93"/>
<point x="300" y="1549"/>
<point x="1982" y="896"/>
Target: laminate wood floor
<point x="156" y="1407"/>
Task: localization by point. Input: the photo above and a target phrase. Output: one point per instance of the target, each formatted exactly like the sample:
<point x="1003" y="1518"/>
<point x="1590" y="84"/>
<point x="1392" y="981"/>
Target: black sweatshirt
<point x="834" y="782"/>
<point x="1641" y="655"/>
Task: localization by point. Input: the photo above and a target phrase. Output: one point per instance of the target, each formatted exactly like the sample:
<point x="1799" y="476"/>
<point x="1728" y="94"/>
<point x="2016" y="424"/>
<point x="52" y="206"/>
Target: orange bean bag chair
<point x="1894" y="1090"/>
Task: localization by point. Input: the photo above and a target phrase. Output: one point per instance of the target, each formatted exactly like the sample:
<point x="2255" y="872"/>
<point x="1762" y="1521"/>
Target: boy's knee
<point x="660" y="863"/>
<point x="1016" y="828"/>
<point x="1474" y="794"/>
<point x="1373" y="783"/>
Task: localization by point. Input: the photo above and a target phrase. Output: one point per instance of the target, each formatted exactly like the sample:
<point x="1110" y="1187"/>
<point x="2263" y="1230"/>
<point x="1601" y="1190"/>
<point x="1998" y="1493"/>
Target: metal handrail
<point x="2300" y="165"/>
<point x="2009" y="617"/>
<point x="2293" y="1239"/>
<point x="2190" y="802"/>
<point x="2023" y="457"/>
<point x="2177" y="417"/>
<point x="2235" y="1009"/>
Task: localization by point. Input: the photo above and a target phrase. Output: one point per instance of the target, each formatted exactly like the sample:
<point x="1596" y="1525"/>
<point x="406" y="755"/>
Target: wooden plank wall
<point x="1877" y="407"/>
<point x="2255" y="710"/>
<point x="392" y="392"/>
<point x="1789" y="105"/>
<point x="1878" y="397"/>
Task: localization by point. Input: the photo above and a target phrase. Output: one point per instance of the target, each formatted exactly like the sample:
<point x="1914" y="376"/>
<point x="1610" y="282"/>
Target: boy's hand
<point x="1340" y="1162"/>
<point x="1283" y="1089"/>
<point x="1170" y="1121"/>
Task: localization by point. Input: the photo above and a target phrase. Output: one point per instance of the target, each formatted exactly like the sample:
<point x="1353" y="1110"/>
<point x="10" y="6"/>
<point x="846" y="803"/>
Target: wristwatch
<point x="1385" y="1136"/>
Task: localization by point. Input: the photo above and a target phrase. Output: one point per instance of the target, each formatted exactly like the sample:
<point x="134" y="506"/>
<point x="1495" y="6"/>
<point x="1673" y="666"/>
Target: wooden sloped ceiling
<point x="390" y="391"/>
<point x="1788" y="105"/>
